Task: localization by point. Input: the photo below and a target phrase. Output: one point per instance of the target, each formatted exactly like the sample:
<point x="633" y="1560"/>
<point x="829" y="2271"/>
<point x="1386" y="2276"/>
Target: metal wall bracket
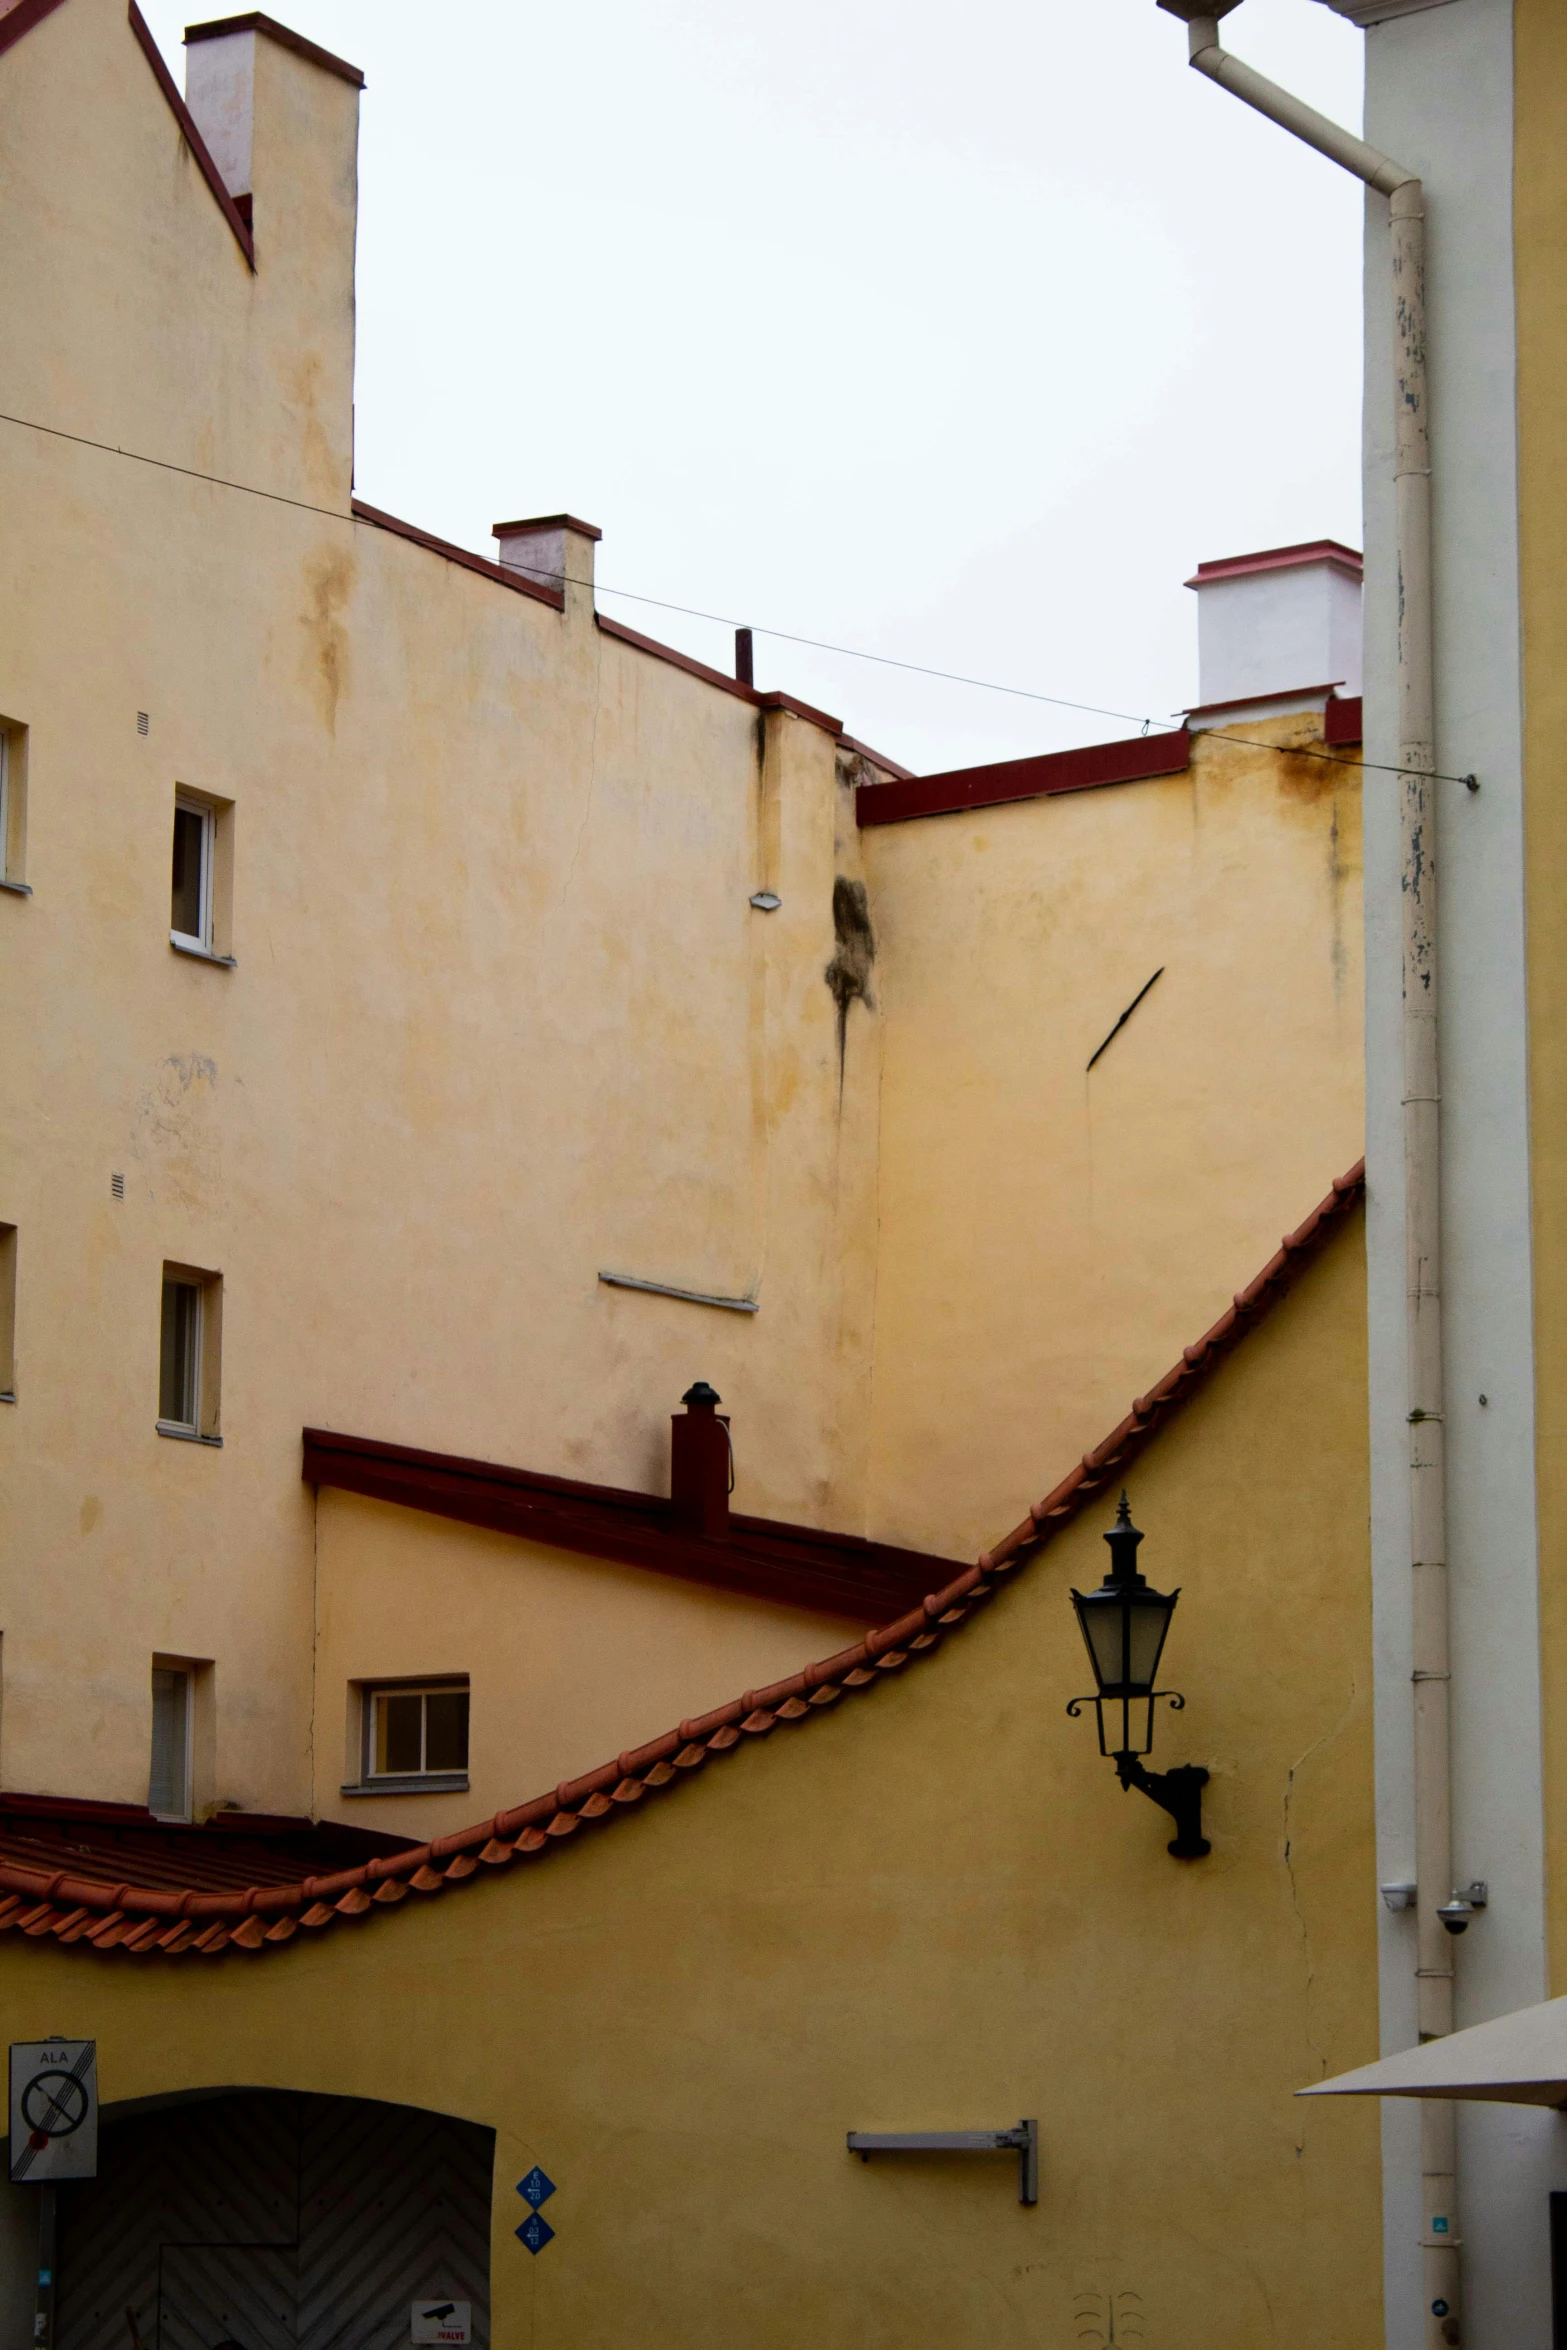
<point x="1024" y="2140"/>
<point x="1179" y="1792"/>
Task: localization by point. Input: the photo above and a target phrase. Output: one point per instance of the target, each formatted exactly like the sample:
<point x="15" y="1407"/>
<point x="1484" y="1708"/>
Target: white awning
<point x="1518" y="2059"/>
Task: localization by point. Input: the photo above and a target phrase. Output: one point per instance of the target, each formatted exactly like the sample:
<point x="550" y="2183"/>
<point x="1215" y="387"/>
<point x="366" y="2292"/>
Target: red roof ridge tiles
<point x="143" y="1919"/>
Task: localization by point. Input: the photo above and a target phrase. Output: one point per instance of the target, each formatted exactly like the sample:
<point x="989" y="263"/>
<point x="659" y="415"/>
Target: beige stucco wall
<point x="569" y="1659"/>
<point x="928" y="1907"/>
<point x="501" y="1013"/>
<point x="1052" y="1237"/>
<point x="502" y="1016"/>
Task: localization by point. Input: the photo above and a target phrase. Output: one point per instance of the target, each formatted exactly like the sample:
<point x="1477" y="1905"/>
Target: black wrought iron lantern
<point x="1124" y="1625"/>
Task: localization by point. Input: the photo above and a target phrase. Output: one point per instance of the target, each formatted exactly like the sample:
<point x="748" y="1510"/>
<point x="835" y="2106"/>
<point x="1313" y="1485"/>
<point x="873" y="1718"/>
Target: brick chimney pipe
<point x="699" y="1463"/>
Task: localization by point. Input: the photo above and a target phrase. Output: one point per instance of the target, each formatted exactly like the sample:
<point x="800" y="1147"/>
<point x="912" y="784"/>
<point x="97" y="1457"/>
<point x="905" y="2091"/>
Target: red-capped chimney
<point x="699" y="1463"/>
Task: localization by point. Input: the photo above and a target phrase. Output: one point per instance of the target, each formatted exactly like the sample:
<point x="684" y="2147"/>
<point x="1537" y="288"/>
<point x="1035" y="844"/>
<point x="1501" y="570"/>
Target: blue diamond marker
<point x="536" y="2188"/>
<point x="534" y="2232"/>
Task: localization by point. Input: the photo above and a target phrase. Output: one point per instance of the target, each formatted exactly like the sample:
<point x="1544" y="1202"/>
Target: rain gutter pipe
<point x="1439" y="2235"/>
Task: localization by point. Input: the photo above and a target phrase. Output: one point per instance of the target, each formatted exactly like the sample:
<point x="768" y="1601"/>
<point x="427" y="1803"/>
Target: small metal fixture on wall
<point x="1024" y="2140"/>
<point x="1124" y="1624"/>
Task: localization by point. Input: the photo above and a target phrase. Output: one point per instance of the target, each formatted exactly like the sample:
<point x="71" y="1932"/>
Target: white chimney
<point x="1369" y="12"/>
<point x="220" y="90"/>
<point x="1277" y="632"/>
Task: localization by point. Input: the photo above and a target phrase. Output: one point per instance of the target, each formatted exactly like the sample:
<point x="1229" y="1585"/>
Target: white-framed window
<point x="13" y="807"/>
<point x="7" y="1313"/>
<point x="189" y="1354"/>
<point x="195" y="866"/>
<point x="415" y="1732"/>
<point x="173" y="1706"/>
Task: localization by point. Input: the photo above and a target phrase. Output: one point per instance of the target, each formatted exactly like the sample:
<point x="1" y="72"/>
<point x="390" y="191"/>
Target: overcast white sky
<point x="958" y="335"/>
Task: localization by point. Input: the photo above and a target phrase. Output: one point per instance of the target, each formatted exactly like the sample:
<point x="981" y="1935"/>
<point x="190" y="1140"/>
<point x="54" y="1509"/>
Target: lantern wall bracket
<point x="1025" y="2139"/>
<point x="1179" y="1792"/>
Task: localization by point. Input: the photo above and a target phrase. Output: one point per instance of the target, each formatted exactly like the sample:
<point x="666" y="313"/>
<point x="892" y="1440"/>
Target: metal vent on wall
<point x="117" y="1186"/>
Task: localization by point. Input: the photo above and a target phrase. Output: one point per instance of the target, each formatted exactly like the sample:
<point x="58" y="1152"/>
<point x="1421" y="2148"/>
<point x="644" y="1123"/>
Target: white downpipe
<point x="1439" y="2235"/>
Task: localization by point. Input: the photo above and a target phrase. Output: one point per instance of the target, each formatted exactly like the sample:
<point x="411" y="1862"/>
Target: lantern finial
<point x="1123" y="1539"/>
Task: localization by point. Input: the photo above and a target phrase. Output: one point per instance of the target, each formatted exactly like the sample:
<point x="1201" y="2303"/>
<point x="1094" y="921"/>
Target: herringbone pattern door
<point x="277" y="2222"/>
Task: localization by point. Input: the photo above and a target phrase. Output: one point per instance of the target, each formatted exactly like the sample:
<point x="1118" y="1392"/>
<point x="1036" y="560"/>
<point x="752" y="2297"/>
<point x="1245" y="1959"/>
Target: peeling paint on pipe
<point x="1439" y="2235"/>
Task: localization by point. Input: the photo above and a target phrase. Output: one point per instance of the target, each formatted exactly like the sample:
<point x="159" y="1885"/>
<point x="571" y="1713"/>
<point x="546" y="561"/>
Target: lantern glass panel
<point x="1104" y="1629"/>
<point x="1149" y="1622"/>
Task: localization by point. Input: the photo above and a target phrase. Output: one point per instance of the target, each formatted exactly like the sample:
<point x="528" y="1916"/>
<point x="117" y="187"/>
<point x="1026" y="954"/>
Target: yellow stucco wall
<point x="1540" y="215"/>
<point x="501" y="1014"/>
<point x="1052" y="1237"/>
<point x="930" y="1907"/>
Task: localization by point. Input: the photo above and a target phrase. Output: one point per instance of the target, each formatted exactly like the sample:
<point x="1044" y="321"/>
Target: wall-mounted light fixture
<point x="1124" y="1624"/>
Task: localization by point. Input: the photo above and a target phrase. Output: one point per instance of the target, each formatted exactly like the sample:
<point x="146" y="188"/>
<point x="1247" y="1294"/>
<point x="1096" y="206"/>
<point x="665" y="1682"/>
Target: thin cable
<point x="721" y="620"/>
<point x="1337" y="758"/>
<point x="883" y="660"/>
<point x="563" y="579"/>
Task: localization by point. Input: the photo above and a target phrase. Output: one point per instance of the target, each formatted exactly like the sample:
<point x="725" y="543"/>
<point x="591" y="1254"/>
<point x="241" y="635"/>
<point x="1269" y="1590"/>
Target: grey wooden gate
<point x="277" y="2222"/>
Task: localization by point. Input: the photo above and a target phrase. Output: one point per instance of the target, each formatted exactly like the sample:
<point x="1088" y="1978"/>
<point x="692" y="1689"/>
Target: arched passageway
<point x="274" y="2221"/>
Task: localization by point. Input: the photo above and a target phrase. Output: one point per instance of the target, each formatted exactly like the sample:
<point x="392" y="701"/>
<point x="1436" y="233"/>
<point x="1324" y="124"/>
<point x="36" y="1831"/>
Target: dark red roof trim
<point x="1283" y="693"/>
<point x="504" y="576"/>
<point x="21" y="19"/>
<point x="73" y="1906"/>
<point x="1346" y="559"/>
<point x="650" y="644"/>
<point x="586" y="530"/>
<point x="797" y="1566"/>
<point x="1024" y="779"/>
<point x="460" y="555"/>
<point x="286" y="38"/>
<point x="718" y="677"/>
<point x="192" y="137"/>
<point x="846" y="742"/>
<point x="1342" y="724"/>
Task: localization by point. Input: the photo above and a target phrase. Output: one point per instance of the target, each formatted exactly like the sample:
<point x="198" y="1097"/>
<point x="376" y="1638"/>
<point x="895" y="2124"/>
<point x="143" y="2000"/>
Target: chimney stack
<point x="556" y="550"/>
<point x="1277" y="631"/>
<point x="699" y="1463"/>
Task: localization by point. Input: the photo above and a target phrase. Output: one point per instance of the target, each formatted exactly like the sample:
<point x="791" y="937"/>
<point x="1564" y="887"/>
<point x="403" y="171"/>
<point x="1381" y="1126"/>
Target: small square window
<point x="188" y="1353"/>
<point x="190" y="916"/>
<point x="414" y="1732"/>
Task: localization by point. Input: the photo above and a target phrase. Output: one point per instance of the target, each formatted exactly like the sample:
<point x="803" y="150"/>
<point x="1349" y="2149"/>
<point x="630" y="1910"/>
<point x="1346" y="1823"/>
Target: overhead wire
<point x="723" y="620"/>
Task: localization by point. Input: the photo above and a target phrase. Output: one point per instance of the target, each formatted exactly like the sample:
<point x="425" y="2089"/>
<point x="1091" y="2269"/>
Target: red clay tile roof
<point x="141" y="1912"/>
<point x="762" y="1558"/>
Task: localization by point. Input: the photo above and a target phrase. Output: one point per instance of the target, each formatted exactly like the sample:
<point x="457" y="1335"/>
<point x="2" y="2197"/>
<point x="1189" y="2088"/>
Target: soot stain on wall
<point x="848" y="975"/>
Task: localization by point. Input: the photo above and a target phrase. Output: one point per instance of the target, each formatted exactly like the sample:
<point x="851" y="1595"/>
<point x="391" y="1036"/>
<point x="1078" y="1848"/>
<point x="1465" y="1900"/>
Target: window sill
<point x="197" y="952"/>
<point x="7" y="1395"/>
<point x="180" y="1435"/>
<point x="18" y="889"/>
<point x="417" y="1783"/>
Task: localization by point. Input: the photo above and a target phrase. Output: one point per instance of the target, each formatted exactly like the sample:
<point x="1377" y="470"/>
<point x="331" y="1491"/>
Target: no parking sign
<point x="54" y="2110"/>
